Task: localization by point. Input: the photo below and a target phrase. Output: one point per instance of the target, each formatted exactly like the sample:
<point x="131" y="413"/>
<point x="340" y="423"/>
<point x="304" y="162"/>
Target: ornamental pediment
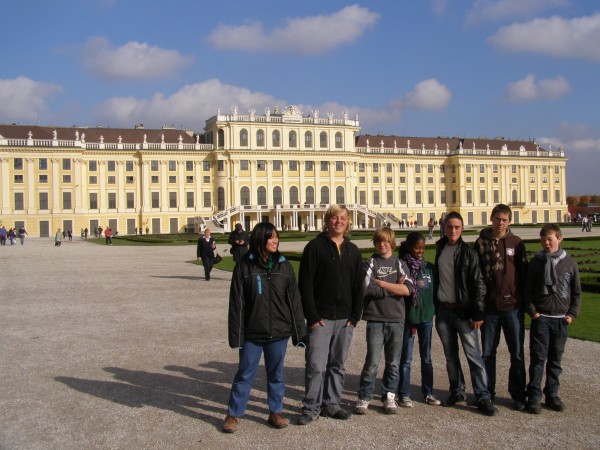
<point x="291" y="114"/>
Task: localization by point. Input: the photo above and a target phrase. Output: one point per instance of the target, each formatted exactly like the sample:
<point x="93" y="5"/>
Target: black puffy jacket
<point x="264" y="305"/>
<point x="470" y="288"/>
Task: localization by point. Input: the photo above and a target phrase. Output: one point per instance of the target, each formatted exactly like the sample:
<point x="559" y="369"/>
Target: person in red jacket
<point x="108" y="235"/>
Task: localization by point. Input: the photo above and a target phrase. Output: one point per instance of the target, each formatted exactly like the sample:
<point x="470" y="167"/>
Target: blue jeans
<point x="386" y="336"/>
<point x="326" y="354"/>
<point x="424" y="332"/>
<point x="450" y="328"/>
<point x="547" y="340"/>
<point x="511" y="323"/>
<point x="250" y="355"/>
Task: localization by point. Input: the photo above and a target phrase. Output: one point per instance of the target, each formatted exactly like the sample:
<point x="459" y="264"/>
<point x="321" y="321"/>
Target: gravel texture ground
<point x="126" y="347"/>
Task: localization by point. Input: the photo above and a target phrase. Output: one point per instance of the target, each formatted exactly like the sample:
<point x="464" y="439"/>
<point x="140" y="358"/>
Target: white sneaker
<point x="431" y="400"/>
<point x="361" y="407"/>
<point x="406" y="402"/>
<point x="389" y="404"/>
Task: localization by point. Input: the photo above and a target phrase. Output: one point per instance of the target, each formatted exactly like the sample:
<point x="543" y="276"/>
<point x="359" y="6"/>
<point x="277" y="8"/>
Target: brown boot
<point x="230" y="424"/>
<point x="277" y="420"/>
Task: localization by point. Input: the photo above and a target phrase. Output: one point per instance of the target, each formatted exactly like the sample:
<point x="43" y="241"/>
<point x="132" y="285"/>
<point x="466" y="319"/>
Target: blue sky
<point x="524" y="69"/>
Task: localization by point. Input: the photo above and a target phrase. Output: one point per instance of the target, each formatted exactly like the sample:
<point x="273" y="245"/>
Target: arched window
<point x="294" y="195"/>
<point x="293" y="139"/>
<point x="260" y="138"/>
<point x="324" y="195"/>
<point x="276" y="139"/>
<point x="277" y="196"/>
<point x="310" y="195"/>
<point x="261" y="195"/>
<point x="245" y="195"/>
<point x="339" y="195"/>
<point x="243" y="138"/>
<point x="221" y="198"/>
<point x="323" y="139"/>
<point x="308" y="139"/>
<point x="514" y="196"/>
<point x="221" y="138"/>
<point x="338" y="140"/>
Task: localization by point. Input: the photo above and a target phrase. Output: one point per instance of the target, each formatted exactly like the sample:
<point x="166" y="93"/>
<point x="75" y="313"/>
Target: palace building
<point x="283" y="166"/>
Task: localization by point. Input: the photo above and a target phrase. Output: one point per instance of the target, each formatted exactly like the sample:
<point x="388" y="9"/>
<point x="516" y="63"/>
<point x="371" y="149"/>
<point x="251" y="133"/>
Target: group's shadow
<point x="178" y="277"/>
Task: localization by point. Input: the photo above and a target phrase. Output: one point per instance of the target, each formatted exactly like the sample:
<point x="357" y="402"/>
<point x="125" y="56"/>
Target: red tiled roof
<point x="452" y="142"/>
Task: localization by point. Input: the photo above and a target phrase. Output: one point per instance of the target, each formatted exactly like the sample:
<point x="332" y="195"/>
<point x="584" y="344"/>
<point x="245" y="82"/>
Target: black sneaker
<point x="340" y="414"/>
<point x="305" y="419"/>
<point x="487" y="407"/>
<point x="555" y="403"/>
<point x="455" y="398"/>
<point x="534" y="407"/>
<point x="519" y="405"/>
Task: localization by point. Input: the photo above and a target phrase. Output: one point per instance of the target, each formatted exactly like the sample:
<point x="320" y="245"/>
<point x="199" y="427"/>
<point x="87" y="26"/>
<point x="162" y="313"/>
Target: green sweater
<point x="426" y="310"/>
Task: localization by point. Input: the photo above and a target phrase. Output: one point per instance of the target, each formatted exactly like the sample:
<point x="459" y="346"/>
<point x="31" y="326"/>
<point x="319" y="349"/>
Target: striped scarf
<point x="414" y="266"/>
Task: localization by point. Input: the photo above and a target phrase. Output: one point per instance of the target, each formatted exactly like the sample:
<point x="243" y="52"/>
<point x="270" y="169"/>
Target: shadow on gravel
<point x="178" y="277"/>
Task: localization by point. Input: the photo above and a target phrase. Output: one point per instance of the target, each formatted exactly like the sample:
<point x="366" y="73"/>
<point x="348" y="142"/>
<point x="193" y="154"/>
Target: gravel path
<point x="125" y="347"/>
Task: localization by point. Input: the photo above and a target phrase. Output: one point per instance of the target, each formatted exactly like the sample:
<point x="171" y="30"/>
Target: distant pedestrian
<point x="205" y="251"/>
<point x="12" y="236"/>
<point x="238" y="239"/>
<point x="70" y="234"/>
<point x="22" y="234"/>
<point x="58" y="237"/>
<point x="108" y="235"/>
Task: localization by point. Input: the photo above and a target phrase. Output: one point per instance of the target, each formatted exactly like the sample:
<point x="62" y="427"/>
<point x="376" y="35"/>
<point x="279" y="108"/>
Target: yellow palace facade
<point x="283" y="166"/>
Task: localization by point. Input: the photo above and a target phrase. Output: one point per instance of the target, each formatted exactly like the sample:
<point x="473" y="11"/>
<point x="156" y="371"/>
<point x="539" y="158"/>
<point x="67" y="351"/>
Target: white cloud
<point x="132" y="61"/>
<point x="189" y="106"/>
<point x="23" y="99"/>
<point x="439" y="7"/>
<point x="428" y="95"/>
<point x="306" y="35"/>
<point x="528" y="89"/>
<point x="555" y="36"/>
<point x="493" y="10"/>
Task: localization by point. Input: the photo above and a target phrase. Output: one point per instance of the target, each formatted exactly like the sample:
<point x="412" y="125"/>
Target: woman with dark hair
<point x="419" y="320"/>
<point x="205" y="251"/>
<point x="265" y="310"/>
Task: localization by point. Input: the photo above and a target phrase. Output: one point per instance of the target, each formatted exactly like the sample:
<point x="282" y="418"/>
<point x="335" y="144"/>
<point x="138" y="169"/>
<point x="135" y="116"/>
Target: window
<point x="154" y="166"/>
<point x="43" y="164"/>
<point x="418" y="199"/>
<point x="323" y="139"/>
<point x="442" y="179"/>
<point x="324" y="166"/>
<point x="310" y="195"/>
<point x="18" y="178"/>
<point x="514" y="168"/>
<point x="66" y="178"/>
<point x="189" y="166"/>
<point x="389" y="197"/>
<point x="375" y="179"/>
<point x="481" y="168"/>
<point x="375" y="167"/>
<point x="532" y="179"/>
<point x="389" y="167"/>
<point x="557" y="180"/>
<point x="544" y="179"/>
<point x="443" y="197"/>
<point x="388" y="180"/>
<point x="362" y="179"/>
<point x="454" y="197"/>
<point x="469" y="179"/>
<point x="417" y="168"/>
<point x="111" y="166"/>
<point x="18" y="163"/>
<point x="19" y="201"/>
<point x="361" y="167"/>
<point x="453" y="168"/>
<point x="206" y="179"/>
<point x="172" y="179"/>
<point x="111" y="179"/>
<point x="544" y="169"/>
<point x="244" y="138"/>
<point x="112" y="200"/>
<point x="532" y="196"/>
<point x="130" y="200"/>
<point x="207" y="200"/>
<point x="469" y="196"/>
<point x="324" y="195"/>
<point x="261" y="195"/>
<point x="189" y="178"/>
<point x="43" y="197"/>
<point x="172" y="166"/>
<point x="156" y="199"/>
<point x="294" y="195"/>
<point x="468" y="168"/>
<point x="129" y="179"/>
<point x="338" y="140"/>
<point x="362" y="197"/>
<point x="442" y="169"/>
<point x="66" y="200"/>
<point x="495" y="168"/>
<point x="66" y="165"/>
<point x="376" y="197"/>
<point x="93" y="200"/>
<point x="482" y="196"/>
<point x="339" y="166"/>
<point x="430" y="180"/>
<point x="402" y="179"/>
<point x="277" y="165"/>
<point x="244" y="164"/>
<point x="556" y="169"/>
<point x="429" y="168"/>
<point x="308" y="139"/>
<point x="496" y="196"/>
<point x="403" y="197"/>
<point x="482" y="179"/>
<point x="293" y="139"/>
<point x="128" y="166"/>
<point x="293" y="166"/>
<point x="545" y="196"/>
<point x="277" y="195"/>
<point x="154" y="179"/>
<point x="557" y="195"/>
<point x="245" y="195"/>
<point x="172" y="199"/>
<point x="205" y="166"/>
<point x="189" y="199"/>
<point x="339" y="195"/>
<point x="495" y="180"/>
<point x="260" y="138"/>
<point x="402" y="167"/>
<point x="418" y="180"/>
<point x="261" y="165"/>
<point x="93" y="166"/>
<point x="308" y="166"/>
<point x="531" y="169"/>
<point x="276" y="138"/>
<point x="430" y="197"/>
<point x="221" y="166"/>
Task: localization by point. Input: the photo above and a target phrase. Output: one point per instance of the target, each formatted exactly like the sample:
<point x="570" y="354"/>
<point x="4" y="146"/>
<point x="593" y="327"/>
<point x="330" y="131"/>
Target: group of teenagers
<point x="471" y="290"/>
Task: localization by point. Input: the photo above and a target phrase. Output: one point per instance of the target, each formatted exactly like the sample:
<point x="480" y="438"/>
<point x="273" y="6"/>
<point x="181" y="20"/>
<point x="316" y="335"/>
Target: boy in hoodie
<point x="552" y="299"/>
<point x="384" y="311"/>
<point x="503" y="263"/>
